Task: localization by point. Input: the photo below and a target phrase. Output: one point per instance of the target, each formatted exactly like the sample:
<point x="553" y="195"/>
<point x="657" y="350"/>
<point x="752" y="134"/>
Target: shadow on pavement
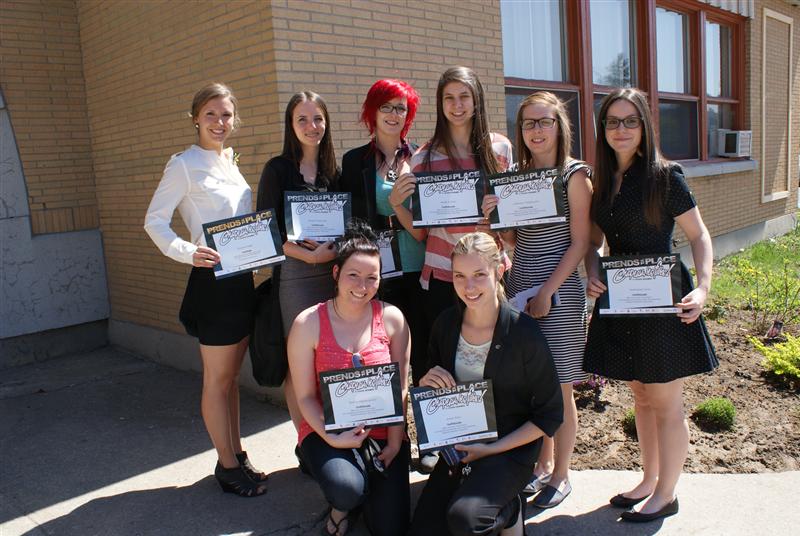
<point x="602" y="521"/>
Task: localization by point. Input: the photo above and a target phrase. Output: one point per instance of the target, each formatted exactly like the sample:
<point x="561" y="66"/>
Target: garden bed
<point x="766" y="434"/>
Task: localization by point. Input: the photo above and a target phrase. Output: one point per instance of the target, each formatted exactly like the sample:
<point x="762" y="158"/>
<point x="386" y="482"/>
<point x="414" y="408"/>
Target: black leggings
<point x="483" y="503"/>
<point x="385" y="498"/>
<point x="407" y="295"/>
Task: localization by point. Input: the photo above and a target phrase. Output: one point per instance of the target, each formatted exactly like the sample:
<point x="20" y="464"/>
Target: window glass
<point x="678" y="129"/>
<point x="514" y="96"/>
<point x="718" y="60"/>
<point x="672" y="36"/>
<point x="533" y="39"/>
<point x="613" y="33"/>
<point x="719" y="116"/>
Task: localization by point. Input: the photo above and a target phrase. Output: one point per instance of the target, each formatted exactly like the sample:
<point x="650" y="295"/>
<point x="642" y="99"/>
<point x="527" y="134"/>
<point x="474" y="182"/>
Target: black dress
<point x="651" y="349"/>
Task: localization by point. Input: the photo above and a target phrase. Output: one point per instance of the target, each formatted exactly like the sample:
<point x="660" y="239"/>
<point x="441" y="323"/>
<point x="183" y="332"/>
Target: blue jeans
<point x="385" y="498"/>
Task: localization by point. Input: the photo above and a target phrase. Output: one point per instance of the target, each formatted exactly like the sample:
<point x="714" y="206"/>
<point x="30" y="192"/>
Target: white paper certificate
<point x="451" y="198"/>
<point x="450" y="416"/>
<point x="527" y="198"/>
<point x="244" y="243"/>
<point x="640" y="285"/>
<point x="366" y="395"/>
<point x="318" y="216"/>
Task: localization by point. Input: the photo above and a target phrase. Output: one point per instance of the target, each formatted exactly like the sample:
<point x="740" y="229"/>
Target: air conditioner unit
<point x="734" y="143"/>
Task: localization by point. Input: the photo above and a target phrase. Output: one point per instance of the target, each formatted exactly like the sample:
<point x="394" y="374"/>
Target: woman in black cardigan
<point x="378" y="177"/>
<point x="484" y="338"/>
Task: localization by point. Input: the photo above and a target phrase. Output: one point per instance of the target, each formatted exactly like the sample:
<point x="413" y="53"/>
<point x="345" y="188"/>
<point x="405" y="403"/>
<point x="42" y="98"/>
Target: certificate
<point x="525" y="198"/>
<point x="390" y="254"/>
<point x="318" y="216"/>
<point x="454" y="415"/>
<point x="244" y="243"/>
<point x="640" y="285"/>
<point x="446" y="199"/>
<point x="365" y="395"/>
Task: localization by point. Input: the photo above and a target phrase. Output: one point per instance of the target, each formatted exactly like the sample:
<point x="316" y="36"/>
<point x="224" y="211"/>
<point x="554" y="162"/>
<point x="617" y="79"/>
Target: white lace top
<point x="470" y="360"/>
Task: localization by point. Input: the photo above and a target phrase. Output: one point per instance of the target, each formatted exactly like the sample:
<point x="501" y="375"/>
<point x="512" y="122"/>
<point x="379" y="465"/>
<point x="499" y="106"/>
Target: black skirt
<point x="218" y="312"/>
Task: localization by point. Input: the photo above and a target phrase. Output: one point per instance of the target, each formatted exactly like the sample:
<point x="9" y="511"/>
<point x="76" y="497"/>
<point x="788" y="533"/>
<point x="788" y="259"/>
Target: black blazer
<point x="358" y="178"/>
<point x="520" y="366"/>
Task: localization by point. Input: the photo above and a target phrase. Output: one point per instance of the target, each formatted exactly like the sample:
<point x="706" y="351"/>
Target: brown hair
<point x="655" y="181"/>
<point x="480" y="138"/>
<point x="524" y="156"/>
<point x="486" y="248"/>
<point x="213" y="91"/>
<point x="293" y="149"/>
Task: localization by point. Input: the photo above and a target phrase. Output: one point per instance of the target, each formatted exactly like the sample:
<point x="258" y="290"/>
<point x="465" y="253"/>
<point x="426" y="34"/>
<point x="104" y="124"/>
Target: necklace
<point x="391" y="175"/>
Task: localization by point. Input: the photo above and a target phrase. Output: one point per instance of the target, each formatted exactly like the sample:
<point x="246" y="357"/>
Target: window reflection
<point x="672" y="49"/>
<point x="678" y="129"/>
<point x="612" y="43"/>
<point x="533" y="39"/>
<point x="718" y="60"/>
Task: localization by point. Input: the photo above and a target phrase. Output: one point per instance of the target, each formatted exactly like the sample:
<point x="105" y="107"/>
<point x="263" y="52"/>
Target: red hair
<point x="382" y="92"/>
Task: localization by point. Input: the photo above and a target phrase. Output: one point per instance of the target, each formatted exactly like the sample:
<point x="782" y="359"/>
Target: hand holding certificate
<point x="640" y="285"/>
<point x="244" y="243"/>
<point x="319" y="216"/>
<point x="525" y="198"/>
<point x="451" y="198"/>
<point x="454" y="415"/>
<point x="368" y="396"/>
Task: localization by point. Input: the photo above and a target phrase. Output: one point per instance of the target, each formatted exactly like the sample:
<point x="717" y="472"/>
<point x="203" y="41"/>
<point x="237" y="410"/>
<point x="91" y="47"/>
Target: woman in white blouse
<point x="204" y="184"/>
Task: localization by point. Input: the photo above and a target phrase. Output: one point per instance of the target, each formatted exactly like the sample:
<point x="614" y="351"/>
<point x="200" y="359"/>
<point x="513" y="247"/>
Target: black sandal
<point x="347" y="517"/>
<point x="237" y="481"/>
<point x="255" y="475"/>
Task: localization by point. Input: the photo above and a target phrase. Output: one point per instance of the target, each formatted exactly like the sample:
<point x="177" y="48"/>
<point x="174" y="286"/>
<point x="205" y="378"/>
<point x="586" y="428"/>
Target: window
<point x="687" y="55"/>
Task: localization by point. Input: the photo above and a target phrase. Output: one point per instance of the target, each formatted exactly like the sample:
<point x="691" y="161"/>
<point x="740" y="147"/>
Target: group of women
<point x="447" y="318"/>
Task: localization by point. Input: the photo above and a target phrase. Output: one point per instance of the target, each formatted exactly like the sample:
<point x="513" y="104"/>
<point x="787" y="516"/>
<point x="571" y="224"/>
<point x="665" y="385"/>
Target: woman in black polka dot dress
<point x="637" y="199"/>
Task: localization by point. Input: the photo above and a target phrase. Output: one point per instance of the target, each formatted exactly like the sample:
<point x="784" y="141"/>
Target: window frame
<point x="579" y="76"/>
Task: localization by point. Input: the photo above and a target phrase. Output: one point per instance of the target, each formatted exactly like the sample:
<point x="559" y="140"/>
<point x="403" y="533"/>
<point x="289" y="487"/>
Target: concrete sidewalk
<point x="108" y="444"/>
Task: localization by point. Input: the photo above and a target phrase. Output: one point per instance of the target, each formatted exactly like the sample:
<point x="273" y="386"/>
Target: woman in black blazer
<point x="484" y="338"/>
<point x="378" y="177"/>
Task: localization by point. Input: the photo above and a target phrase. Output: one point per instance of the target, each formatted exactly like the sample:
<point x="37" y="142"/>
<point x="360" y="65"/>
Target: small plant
<point x="629" y="423"/>
<point x="713" y="414"/>
<point x="718" y="310"/>
<point x="589" y="391"/>
<point x="781" y="360"/>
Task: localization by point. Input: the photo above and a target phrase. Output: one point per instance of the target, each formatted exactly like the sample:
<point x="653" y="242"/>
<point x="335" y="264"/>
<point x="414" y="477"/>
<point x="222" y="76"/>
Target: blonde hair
<point x="486" y="248"/>
<point x="213" y="91"/>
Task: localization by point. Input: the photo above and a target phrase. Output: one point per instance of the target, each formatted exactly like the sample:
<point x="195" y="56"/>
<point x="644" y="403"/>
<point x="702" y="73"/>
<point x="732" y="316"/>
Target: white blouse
<point x="205" y="187"/>
<point x="471" y="360"/>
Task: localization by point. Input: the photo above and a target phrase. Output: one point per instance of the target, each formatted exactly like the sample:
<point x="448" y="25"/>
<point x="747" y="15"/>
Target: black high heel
<point x="237" y="481"/>
<point x="254" y="474"/>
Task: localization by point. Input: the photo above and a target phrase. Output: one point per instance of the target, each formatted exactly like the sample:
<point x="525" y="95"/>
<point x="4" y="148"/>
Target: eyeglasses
<point x="399" y="109"/>
<point x="357" y="361"/>
<point x="630" y="122"/>
<point x="544" y="122"/>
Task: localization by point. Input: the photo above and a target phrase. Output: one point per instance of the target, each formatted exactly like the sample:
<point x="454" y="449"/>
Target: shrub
<point x="782" y="360"/>
<point x="714" y="414"/>
<point x="629" y="423"/>
<point x="589" y="391"/>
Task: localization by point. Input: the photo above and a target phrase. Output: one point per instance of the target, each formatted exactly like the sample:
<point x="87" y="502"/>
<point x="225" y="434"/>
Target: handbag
<point x="267" y="345"/>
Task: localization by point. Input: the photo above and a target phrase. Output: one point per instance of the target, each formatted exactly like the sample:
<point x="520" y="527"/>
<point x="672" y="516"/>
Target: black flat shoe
<point x="236" y="480"/>
<point x="252" y="472"/>
<point x="637" y="517"/>
<point x="621" y="501"/>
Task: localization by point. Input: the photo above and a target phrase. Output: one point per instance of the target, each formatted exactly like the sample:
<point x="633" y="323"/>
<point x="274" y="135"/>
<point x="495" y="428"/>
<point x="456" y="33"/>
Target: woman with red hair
<point x="377" y="175"/>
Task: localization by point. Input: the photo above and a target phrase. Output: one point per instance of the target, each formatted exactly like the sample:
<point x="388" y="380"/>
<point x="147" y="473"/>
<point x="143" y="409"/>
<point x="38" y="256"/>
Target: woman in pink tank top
<point x="333" y="335"/>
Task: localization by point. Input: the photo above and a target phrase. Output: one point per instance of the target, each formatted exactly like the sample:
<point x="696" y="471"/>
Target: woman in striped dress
<point x="548" y="255"/>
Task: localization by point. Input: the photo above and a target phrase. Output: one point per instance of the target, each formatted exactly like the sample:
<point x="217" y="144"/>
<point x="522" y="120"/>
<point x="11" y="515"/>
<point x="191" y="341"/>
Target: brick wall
<point x="143" y="61"/>
<point x="42" y="79"/>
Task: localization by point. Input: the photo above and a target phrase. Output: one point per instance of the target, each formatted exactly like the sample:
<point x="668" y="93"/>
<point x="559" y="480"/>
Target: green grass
<point x="767" y="256"/>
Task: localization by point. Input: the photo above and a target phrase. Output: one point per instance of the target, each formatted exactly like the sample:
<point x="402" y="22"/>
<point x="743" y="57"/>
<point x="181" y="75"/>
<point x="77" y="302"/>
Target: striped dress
<point x="538" y="251"/>
<point x="442" y="240"/>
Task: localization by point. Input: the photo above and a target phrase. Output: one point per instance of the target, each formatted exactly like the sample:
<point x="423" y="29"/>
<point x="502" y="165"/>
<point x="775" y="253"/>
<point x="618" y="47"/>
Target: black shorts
<point x="219" y="312"/>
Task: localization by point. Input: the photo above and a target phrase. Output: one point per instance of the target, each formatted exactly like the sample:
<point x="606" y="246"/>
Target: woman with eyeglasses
<point x="483" y="337"/>
<point x="307" y="163"/>
<point x="461" y="141"/>
<point x="377" y="176"/>
<point x="353" y="329"/>
<point x="638" y="197"/>
<point x="548" y="256"/>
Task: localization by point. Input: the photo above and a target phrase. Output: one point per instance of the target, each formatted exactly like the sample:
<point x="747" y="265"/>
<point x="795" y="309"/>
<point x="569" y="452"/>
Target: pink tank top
<point x="330" y="356"/>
